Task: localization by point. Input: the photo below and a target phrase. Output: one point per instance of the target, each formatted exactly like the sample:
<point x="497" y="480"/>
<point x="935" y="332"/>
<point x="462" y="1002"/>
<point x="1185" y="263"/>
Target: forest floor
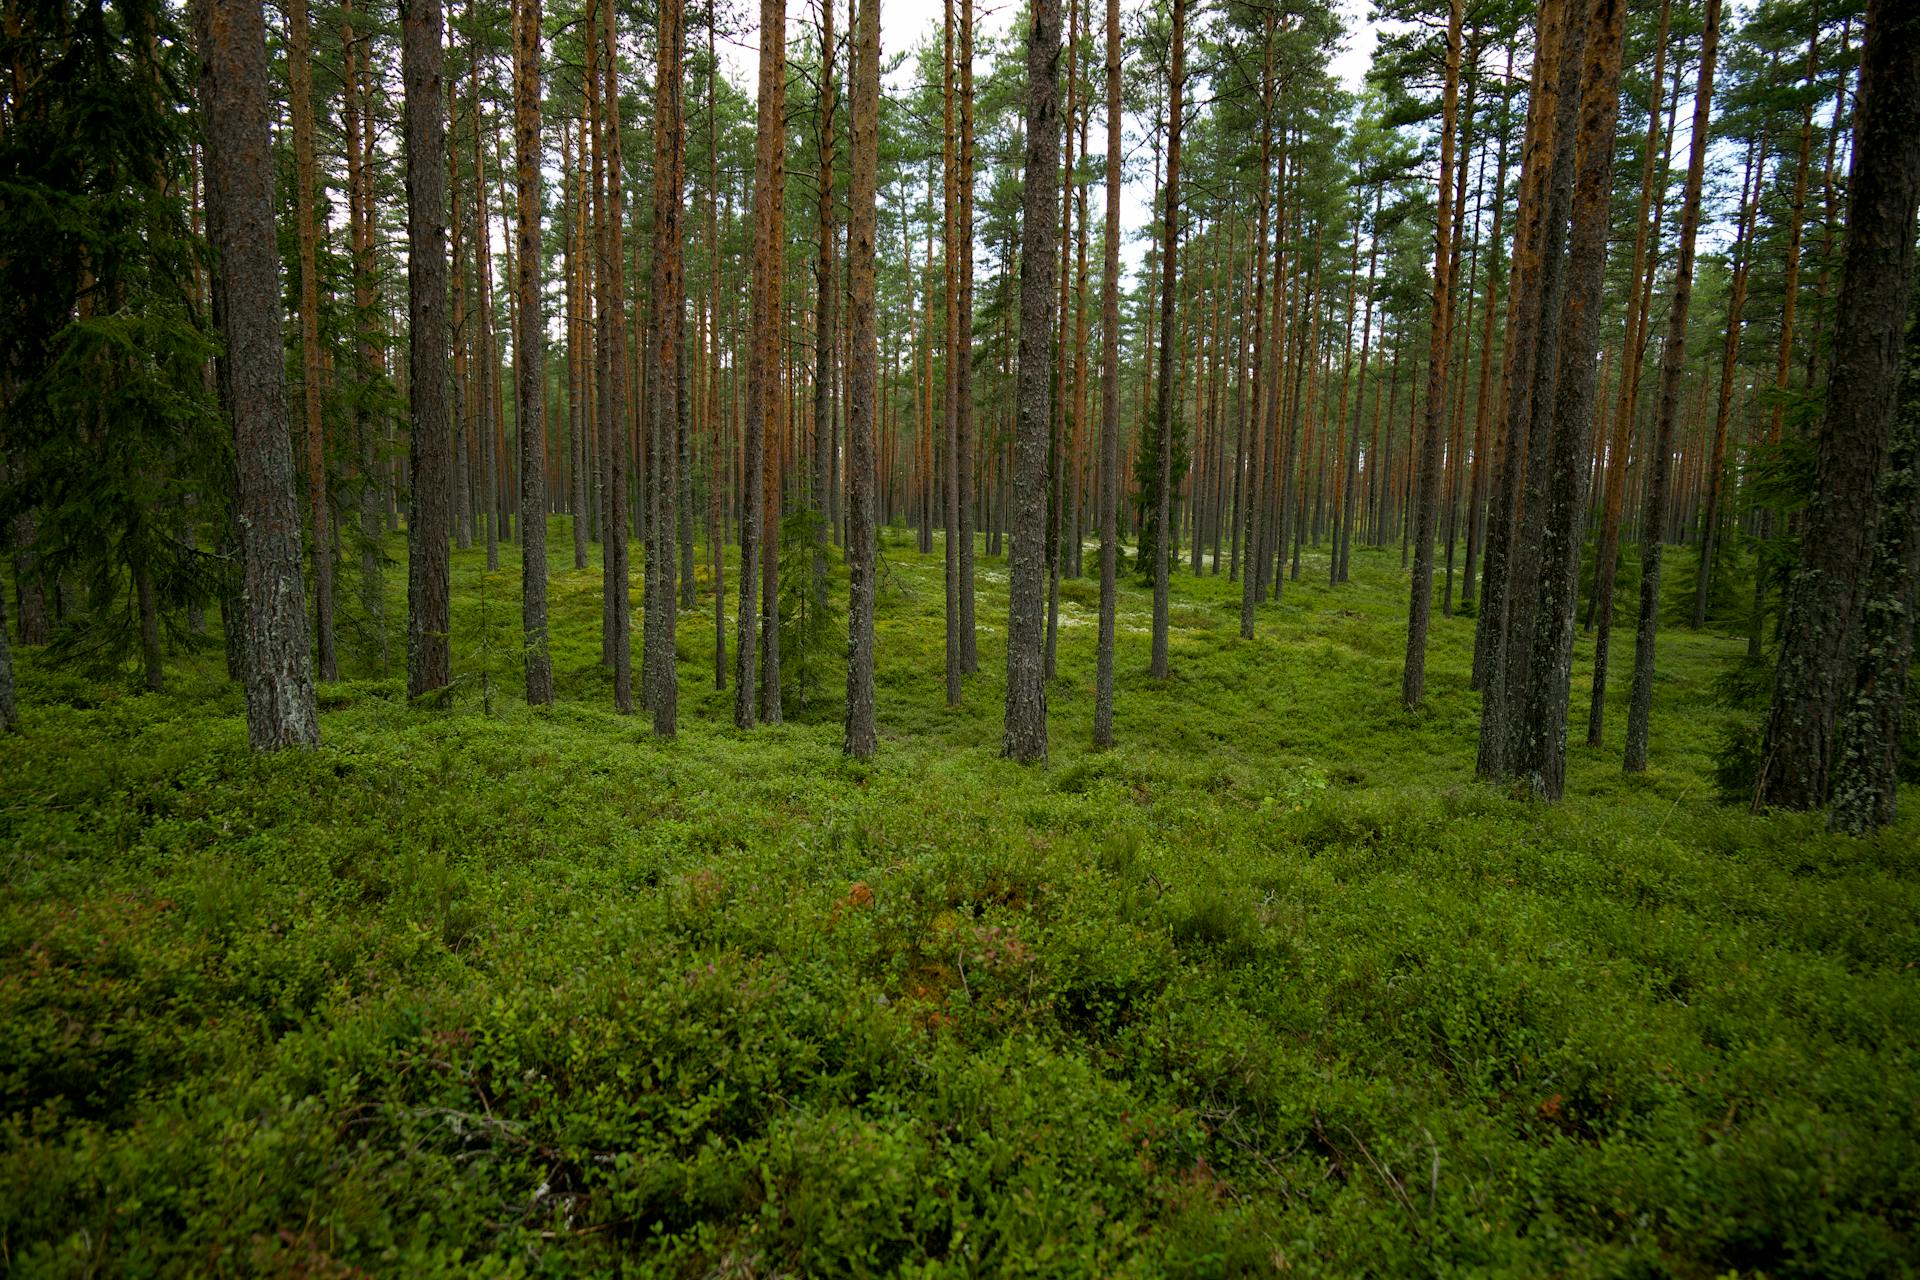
<point x="1274" y="985"/>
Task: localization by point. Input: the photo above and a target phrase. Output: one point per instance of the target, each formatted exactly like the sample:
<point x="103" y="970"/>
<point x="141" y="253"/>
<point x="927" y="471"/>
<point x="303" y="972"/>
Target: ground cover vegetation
<point x="1271" y="984"/>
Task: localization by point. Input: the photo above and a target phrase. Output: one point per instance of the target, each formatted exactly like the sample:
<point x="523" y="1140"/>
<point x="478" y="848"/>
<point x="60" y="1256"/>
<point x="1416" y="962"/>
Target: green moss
<point x="1272" y="984"/>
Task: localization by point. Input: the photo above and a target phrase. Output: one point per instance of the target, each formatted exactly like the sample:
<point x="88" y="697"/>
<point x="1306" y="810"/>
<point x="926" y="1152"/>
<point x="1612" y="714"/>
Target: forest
<point x="1273" y="636"/>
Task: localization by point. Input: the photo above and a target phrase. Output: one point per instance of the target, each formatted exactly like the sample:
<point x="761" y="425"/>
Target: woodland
<point x="1240" y="670"/>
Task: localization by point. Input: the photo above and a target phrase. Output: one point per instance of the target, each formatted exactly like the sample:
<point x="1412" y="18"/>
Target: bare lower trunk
<point x="1413" y="682"/>
<point x="1866" y="781"/>
<point x="862" y="375"/>
<point x="1109" y="479"/>
<point x="1168" y="427"/>
<point x="529" y="355"/>
<point x="1026" y="699"/>
<point x="1673" y="358"/>
<point x="1824" y="596"/>
<point x="1540" y="738"/>
<point x="278" y="667"/>
<point x="660" y="669"/>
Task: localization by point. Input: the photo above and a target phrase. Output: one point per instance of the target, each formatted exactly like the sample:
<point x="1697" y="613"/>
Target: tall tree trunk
<point x="1343" y="542"/>
<point x="1824" y="595"/>
<point x="1540" y="740"/>
<point x="369" y="356"/>
<point x="530" y="355"/>
<point x="1653" y="174"/>
<point x="611" y="355"/>
<point x="1673" y="359"/>
<point x="1790" y="298"/>
<point x="1413" y="682"/>
<point x="300" y="101"/>
<point x="763" y="363"/>
<point x="963" y="389"/>
<point x="955" y="355"/>
<point x="487" y="499"/>
<point x="720" y="434"/>
<point x="1026" y="704"/>
<point x="581" y="416"/>
<point x="278" y="667"/>
<point x="1058" y="463"/>
<point x="1168" y="405"/>
<point x="1483" y="397"/>
<point x="1532" y="320"/>
<point x="1109" y="397"/>
<point x="659" y="667"/>
<point x="1247" y="516"/>
<point x="862" y="377"/>
<point x="1729" y="358"/>
<point x="826" y="286"/>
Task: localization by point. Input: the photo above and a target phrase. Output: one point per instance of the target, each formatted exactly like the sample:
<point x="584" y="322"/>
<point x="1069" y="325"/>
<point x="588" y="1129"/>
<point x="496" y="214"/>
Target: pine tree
<point x="759" y="498"/>
<point x="1413" y="682"/>
<point x="278" y="666"/>
<point x="1026" y="698"/>
<point x="1540" y="720"/>
<point x="529" y="354"/>
<point x="1109" y="473"/>
<point x="300" y="103"/>
<point x="862" y="377"/>
<point x="1824" y="596"/>
<point x="1168" y="427"/>
<point x="1673" y="357"/>
<point x="660" y="673"/>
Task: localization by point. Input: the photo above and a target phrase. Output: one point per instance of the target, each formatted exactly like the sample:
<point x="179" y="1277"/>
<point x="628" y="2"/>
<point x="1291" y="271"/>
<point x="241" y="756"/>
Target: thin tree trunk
<point x="1170" y="248"/>
<point x="659" y="666"/>
<point x="955" y="355"/>
<point x="611" y="354"/>
<point x="720" y="417"/>
<point x="369" y="360"/>
<point x="969" y="639"/>
<point x="1413" y="683"/>
<point x="1343" y="543"/>
<point x="1247" y="515"/>
<point x="1109" y="397"/>
<point x="300" y="102"/>
<point x="1673" y="357"/>
<point x="826" y="286"/>
<point x="763" y="366"/>
<point x="862" y="377"/>
<point x="530" y="355"/>
<point x="1729" y="357"/>
<point x="1633" y="353"/>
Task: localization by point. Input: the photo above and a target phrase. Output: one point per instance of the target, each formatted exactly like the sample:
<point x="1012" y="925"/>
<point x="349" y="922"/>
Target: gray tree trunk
<point x="239" y="176"/>
<point x="1109" y="471"/>
<point x="1540" y="742"/>
<point x="429" y="653"/>
<point x="1866" y="783"/>
<point x="1824" y="596"/>
<point x="1026" y="707"/>
<point x="529" y="354"/>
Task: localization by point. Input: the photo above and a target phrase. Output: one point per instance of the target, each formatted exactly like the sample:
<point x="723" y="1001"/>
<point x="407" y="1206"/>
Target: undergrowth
<point x="1272" y="986"/>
